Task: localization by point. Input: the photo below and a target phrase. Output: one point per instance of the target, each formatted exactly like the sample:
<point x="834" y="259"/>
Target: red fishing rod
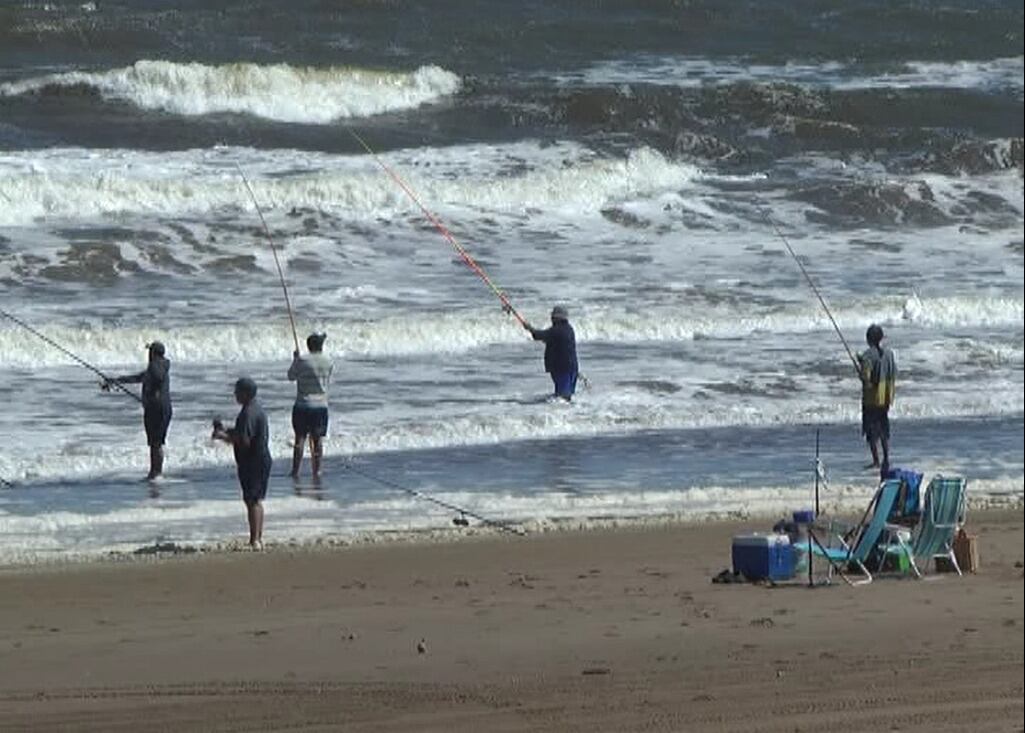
<point x="466" y="256"/>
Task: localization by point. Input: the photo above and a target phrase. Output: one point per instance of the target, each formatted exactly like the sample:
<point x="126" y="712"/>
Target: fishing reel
<point x="461" y="521"/>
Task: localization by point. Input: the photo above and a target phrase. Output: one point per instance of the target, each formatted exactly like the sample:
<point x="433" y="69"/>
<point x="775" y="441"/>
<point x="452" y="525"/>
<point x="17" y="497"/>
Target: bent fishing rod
<point x="107" y="379"/>
<point x="822" y="301"/>
<point x="458" y="521"/>
<point x="463" y="254"/>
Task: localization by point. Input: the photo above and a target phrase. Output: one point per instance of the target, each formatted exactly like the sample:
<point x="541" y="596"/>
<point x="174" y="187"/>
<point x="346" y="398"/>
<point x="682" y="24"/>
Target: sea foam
<point x="278" y="92"/>
<point x="465" y="331"/>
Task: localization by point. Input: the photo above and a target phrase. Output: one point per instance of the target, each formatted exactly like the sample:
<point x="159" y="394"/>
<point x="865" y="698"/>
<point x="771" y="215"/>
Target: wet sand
<point x="603" y="630"/>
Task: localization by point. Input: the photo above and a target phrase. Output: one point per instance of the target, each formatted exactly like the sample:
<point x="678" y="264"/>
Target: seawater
<point x="622" y="162"/>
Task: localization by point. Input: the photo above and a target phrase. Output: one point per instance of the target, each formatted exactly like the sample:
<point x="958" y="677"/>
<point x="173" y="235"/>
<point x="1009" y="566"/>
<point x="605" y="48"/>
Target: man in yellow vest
<point x="878" y="383"/>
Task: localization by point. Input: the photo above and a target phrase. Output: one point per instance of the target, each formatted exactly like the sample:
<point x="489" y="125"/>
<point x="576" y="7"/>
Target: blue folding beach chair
<point x="855" y="550"/>
<point x="943" y="513"/>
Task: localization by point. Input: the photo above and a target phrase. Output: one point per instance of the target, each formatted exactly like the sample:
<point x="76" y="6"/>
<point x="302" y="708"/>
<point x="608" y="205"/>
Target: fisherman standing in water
<point x="156" y="403"/>
<point x="312" y="375"/>
<point x="878" y="383"/>
<point x="560" y="352"/>
<point x="250" y="438"/>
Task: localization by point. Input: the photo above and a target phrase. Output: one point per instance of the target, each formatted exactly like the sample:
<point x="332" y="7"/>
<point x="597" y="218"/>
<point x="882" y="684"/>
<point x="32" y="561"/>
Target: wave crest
<point x="462" y="332"/>
<point x="276" y="92"/>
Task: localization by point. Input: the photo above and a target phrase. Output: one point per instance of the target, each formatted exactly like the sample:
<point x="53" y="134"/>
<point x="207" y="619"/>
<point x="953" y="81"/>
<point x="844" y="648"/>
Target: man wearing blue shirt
<point x="560" y="352"/>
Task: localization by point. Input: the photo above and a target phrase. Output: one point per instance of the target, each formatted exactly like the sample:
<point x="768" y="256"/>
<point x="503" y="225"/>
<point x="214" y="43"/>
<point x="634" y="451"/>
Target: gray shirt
<point x="251" y="425"/>
<point x="312" y="375"/>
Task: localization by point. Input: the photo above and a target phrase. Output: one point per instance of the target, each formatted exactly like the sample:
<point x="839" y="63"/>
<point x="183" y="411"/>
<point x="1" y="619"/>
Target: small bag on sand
<point x="966" y="550"/>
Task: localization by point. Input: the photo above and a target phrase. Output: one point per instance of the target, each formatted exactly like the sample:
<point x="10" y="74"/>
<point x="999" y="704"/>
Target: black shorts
<point x="156" y="420"/>
<point x="309" y="421"/>
<point x="253" y="478"/>
<point x="875" y="422"/>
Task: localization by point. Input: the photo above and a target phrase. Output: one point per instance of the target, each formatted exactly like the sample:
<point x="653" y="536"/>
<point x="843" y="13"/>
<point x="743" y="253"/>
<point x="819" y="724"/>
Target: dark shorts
<point x="565" y="383"/>
<point x="309" y="421"/>
<point x="253" y="478"/>
<point x="156" y="420"/>
<point x="875" y="423"/>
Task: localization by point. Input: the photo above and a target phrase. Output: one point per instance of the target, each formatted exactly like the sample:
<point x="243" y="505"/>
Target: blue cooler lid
<point x="804" y="516"/>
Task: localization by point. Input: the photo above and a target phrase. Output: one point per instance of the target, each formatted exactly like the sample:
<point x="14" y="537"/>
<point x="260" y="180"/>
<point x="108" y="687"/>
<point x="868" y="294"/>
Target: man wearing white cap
<point x="560" y="352"/>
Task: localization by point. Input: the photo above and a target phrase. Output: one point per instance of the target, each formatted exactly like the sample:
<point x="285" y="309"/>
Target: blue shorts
<point x="253" y="477"/>
<point x="565" y="384"/>
<point x="309" y="421"/>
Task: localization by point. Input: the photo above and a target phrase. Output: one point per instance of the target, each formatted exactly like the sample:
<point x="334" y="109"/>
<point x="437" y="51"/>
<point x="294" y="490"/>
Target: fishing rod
<point x="459" y="521"/>
<point x="466" y="257"/>
<point x="107" y="380"/>
<point x="274" y="250"/>
<point x="822" y="301"/>
<point x="281" y="277"/>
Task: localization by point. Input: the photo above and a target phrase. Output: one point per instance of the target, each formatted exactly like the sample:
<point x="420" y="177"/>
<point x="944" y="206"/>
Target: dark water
<point x="515" y="58"/>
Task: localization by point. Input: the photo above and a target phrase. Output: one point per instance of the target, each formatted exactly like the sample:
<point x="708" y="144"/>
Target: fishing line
<point x="106" y="378"/>
<point x="274" y="250"/>
<point x="463" y="513"/>
<point x="281" y="276"/>
<point x="822" y="301"/>
<point x="466" y="257"/>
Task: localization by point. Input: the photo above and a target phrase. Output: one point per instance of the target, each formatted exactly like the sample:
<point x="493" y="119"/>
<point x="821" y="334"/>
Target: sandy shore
<point x="606" y="630"/>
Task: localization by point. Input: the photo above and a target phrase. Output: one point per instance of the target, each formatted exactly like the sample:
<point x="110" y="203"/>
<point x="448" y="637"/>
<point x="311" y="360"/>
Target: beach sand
<point x="598" y="630"/>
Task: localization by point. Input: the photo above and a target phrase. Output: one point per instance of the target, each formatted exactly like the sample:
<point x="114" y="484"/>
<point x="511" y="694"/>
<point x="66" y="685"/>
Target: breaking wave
<point x="461" y="332"/>
<point x="79" y="184"/>
<point x="278" y="92"/>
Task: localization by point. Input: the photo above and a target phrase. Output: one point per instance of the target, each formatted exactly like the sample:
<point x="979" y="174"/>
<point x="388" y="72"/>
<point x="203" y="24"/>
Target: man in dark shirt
<point x="156" y="403"/>
<point x="250" y="439"/>
<point x="560" y="352"/>
<point x="878" y="384"/>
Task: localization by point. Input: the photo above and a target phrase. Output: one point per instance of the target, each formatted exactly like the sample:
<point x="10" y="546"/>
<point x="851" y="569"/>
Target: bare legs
<point x="297" y="456"/>
<point x="254" y="513"/>
<point x="156" y="461"/>
<point x="885" y="465"/>
<point x="316" y="452"/>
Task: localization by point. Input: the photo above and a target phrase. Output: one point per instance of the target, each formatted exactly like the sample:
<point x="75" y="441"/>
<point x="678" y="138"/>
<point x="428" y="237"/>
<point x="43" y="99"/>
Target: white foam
<point x="277" y="92"/>
<point x="463" y="331"/>
<point x="65" y="535"/>
<point x="77" y="184"/>
<point x="103" y="451"/>
<point x="688" y="71"/>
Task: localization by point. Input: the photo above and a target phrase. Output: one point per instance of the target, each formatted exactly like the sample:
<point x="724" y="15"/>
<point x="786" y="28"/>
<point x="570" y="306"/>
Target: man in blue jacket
<point x="560" y="352"/>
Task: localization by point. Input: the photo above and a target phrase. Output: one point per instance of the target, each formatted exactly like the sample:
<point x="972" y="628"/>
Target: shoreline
<point x="614" y="629"/>
<point x="840" y="508"/>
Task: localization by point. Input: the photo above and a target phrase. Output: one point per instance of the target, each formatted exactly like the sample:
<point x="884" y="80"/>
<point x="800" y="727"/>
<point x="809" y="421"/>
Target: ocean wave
<point x="693" y="72"/>
<point x="277" y="92"/>
<point x="75" y="184"/>
<point x="460" y="332"/>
